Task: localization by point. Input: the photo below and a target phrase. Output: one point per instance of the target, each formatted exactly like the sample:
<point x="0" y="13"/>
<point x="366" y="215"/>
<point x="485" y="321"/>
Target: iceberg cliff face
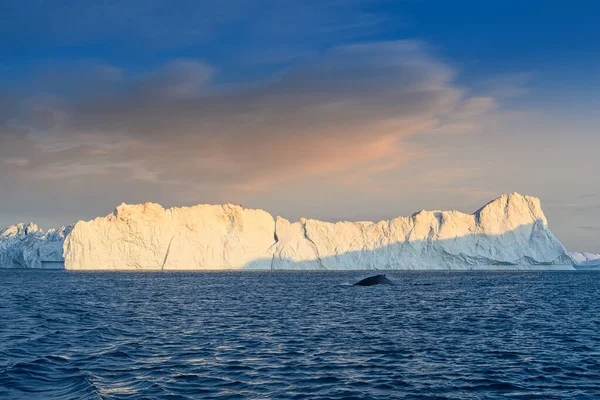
<point x="509" y="231"/>
<point x="28" y="246"/>
<point x="148" y="237"/>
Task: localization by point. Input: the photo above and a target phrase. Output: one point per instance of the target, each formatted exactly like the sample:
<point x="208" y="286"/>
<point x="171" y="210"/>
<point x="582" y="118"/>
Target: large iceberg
<point x="148" y="237"/>
<point x="509" y="232"/>
<point x="28" y="246"/>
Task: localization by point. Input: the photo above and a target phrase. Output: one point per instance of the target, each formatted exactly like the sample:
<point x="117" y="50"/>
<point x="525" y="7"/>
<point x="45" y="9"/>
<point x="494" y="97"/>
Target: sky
<point x="328" y="109"/>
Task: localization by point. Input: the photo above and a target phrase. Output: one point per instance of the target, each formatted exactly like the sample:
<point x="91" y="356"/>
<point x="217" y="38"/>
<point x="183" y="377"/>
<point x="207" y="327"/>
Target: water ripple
<point x="529" y="335"/>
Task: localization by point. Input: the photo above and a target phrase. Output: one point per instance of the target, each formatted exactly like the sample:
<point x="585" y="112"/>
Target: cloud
<point x="590" y="228"/>
<point x="175" y="134"/>
<point x="469" y="117"/>
<point x="506" y="86"/>
<point x="576" y="208"/>
<point x="353" y="106"/>
<point x="139" y="25"/>
<point x="16" y="161"/>
<point x="177" y="79"/>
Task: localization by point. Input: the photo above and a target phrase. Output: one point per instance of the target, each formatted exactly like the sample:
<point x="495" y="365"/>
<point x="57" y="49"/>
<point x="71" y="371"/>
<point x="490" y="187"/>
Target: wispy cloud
<point x="351" y="107"/>
<point x="574" y="207"/>
<point x="590" y="228"/>
<point x="506" y="85"/>
<point x="159" y="24"/>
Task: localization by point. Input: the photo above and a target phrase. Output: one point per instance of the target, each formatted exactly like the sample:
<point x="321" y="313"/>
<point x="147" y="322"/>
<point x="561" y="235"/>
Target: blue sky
<point x="391" y="106"/>
<point x="481" y="37"/>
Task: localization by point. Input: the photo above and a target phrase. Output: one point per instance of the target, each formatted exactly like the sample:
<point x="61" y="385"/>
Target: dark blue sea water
<point x="459" y="335"/>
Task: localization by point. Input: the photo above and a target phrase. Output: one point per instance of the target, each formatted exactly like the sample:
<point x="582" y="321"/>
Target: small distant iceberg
<point x="586" y="261"/>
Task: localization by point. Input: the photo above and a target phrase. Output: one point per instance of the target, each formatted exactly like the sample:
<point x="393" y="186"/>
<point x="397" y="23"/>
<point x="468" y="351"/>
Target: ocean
<point x="296" y="335"/>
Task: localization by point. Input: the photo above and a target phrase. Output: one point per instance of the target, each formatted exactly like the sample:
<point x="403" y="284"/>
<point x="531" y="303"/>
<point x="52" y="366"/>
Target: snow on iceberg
<point x="509" y="232"/>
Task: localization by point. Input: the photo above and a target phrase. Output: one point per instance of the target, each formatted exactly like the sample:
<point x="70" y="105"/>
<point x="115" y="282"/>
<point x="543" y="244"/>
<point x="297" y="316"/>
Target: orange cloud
<point x="347" y="112"/>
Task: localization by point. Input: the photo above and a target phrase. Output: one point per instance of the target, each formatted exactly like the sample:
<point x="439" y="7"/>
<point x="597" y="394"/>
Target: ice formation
<point x="586" y="260"/>
<point x="509" y="232"/>
<point x="28" y="246"/>
<point x="583" y="256"/>
<point x="148" y="237"/>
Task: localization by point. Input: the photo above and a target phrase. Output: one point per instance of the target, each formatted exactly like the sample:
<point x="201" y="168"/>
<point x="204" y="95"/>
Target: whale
<point x="374" y="280"/>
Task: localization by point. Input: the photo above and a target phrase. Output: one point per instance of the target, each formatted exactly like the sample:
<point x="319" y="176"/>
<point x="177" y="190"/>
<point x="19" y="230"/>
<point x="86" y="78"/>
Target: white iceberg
<point x="589" y="261"/>
<point x="148" y="237"/>
<point x="583" y="256"/>
<point x="509" y="232"/>
<point x="28" y="246"/>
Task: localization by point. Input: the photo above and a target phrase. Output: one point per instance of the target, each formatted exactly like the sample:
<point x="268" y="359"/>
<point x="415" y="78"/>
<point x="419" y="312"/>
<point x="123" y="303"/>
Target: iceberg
<point x="586" y="261"/>
<point x="510" y="232"/>
<point x="28" y="246"/>
<point x="579" y="257"/>
<point x="148" y="237"/>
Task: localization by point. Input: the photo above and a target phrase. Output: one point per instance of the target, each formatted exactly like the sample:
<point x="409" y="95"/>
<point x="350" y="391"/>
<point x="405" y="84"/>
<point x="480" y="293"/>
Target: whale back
<point x="374" y="280"/>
